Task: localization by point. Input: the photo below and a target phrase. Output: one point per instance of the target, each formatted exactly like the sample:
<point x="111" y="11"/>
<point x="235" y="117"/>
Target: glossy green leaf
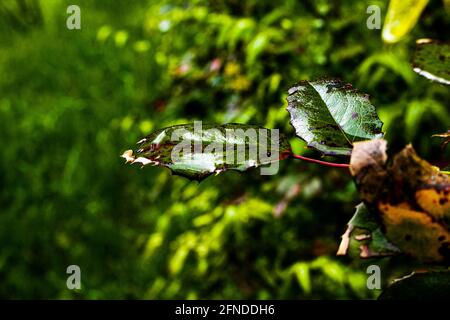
<point x="330" y="115"/>
<point x="197" y="152"/>
<point x="401" y="17"/>
<point x="364" y="232"/>
<point x="432" y="60"/>
<point x="424" y="286"/>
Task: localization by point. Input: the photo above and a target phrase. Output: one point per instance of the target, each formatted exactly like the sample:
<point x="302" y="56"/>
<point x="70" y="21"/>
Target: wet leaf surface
<point x="330" y="115"/>
<point x="196" y="154"/>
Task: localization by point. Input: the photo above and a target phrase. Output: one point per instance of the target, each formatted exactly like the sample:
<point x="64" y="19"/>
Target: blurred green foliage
<point x="71" y="101"/>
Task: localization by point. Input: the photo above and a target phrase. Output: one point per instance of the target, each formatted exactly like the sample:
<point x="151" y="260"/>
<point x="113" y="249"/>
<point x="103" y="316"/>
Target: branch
<point x="324" y="163"/>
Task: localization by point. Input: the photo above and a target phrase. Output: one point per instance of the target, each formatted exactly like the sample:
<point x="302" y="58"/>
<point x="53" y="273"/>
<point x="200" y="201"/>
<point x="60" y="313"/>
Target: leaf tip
<point x="128" y="156"/>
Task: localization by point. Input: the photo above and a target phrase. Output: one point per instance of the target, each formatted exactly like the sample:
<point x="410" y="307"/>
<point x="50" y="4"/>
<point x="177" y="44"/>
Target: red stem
<point x="324" y="163"/>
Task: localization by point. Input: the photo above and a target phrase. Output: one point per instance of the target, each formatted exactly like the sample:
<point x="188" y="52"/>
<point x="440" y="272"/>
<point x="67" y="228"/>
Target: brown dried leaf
<point x="411" y="197"/>
<point x="415" y="232"/>
<point x="368" y="166"/>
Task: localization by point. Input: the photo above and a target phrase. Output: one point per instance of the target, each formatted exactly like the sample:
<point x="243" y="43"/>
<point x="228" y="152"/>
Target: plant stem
<point x="324" y="163"/>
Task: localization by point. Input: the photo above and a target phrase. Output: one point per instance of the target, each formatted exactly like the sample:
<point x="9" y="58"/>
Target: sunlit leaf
<point x="432" y="60"/>
<point x="401" y="17"/>
<point x="256" y="47"/>
<point x="302" y="272"/>
<point x="199" y="152"/>
<point x="372" y="69"/>
<point x="330" y="115"/>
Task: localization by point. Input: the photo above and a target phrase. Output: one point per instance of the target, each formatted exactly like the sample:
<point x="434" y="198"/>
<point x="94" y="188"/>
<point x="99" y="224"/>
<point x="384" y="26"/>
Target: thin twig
<point x="324" y="163"/>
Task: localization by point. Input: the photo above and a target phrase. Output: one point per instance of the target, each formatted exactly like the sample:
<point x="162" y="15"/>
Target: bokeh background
<point x="71" y="101"/>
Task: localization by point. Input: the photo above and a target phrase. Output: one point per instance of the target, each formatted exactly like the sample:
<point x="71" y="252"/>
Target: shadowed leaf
<point x="424" y="286"/>
<point x="446" y="136"/>
<point x="364" y="232"/>
<point x="432" y="60"/>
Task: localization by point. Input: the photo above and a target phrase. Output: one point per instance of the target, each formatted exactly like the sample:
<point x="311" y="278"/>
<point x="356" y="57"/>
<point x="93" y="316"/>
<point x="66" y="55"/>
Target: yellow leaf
<point x="415" y="232"/>
<point x="401" y="17"/>
<point x="435" y="202"/>
<point x="411" y="197"/>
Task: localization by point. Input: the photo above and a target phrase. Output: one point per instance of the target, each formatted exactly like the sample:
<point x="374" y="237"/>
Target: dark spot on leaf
<point x="354" y="115"/>
<point x="333" y="144"/>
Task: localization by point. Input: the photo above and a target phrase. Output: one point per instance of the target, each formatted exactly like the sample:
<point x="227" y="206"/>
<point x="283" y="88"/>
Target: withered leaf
<point x="417" y="232"/>
<point x="410" y="196"/>
<point x="367" y="165"/>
